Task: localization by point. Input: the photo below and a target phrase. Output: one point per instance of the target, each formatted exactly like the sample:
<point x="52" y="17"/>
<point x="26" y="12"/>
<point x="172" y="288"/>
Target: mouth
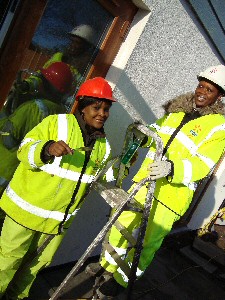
<point x="200" y="98"/>
<point x="101" y="121"/>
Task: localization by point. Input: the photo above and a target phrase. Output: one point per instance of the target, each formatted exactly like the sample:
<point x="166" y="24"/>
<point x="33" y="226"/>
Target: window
<point x="40" y="28"/>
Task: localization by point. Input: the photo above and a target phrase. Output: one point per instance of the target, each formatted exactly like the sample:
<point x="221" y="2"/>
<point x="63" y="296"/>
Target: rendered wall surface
<point x="171" y="50"/>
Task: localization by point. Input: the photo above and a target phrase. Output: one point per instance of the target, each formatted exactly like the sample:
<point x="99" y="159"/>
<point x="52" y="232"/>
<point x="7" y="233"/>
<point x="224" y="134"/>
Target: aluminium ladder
<point x="120" y="200"/>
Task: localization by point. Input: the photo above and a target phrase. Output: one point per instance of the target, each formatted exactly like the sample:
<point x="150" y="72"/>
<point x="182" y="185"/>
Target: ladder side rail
<point x="146" y="212"/>
<point x="127" y="139"/>
<point x="141" y="127"/>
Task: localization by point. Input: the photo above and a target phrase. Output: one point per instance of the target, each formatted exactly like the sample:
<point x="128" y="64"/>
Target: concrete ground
<point x="172" y="275"/>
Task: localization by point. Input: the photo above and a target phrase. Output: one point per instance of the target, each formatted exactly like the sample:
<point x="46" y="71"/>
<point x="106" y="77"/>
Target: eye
<point x="96" y="107"/>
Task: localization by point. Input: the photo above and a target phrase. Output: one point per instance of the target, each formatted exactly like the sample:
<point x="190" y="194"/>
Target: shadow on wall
<point x="206" y="203"/>
<point x="131" y="107"/>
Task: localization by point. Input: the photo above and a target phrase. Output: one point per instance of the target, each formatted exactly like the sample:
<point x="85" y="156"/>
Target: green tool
<point x="83" y="149"/>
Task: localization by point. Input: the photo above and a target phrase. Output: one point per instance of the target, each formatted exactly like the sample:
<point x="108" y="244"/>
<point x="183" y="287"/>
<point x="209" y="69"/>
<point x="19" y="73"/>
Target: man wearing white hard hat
<point x="84" y="32"/>
<point x="78" y="53"/>
<point x="193" y="134"/>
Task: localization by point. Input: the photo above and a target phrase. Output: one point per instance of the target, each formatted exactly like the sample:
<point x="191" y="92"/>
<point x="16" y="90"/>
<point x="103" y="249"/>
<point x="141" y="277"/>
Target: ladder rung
<point x="121" y="263"/>
<point x="112" y="195"/>
<point x="123" y="230"/>
<point x="135" y="206"/>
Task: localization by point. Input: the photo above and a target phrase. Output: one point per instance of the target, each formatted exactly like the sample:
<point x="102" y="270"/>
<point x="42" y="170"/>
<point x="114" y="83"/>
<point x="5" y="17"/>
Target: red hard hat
<point x="97" y="87"/>
<point x="59" y="75"/>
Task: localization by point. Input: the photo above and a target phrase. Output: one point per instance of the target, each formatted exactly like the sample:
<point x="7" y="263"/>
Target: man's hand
<point x="159" y="169"/>
<point x="59" y="148"/>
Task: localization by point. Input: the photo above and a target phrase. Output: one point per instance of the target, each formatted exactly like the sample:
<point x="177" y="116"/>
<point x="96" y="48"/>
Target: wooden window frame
<point x="20" y="35"/>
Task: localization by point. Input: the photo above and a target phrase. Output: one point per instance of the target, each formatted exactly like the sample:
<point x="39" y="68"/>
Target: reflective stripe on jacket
<point x="39" y="194"/>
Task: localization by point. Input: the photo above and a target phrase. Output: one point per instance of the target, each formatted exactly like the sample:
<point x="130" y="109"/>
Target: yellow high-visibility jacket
<point x="39" y="195"/>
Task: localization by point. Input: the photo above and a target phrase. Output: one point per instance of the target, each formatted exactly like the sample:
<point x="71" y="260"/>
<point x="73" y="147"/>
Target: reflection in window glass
<point x="72" y="32"/>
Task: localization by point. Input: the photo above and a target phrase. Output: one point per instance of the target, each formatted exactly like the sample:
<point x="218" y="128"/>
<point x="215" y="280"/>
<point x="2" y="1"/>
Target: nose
<point x="102" y="113"/>
<point x="200" y="91"/>
<point x="204" y="90"/>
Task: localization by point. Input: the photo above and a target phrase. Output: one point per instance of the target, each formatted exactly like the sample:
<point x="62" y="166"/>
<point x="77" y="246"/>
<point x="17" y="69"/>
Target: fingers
<point x="154" y="177"/>
<point x="155" y="171"/>
<point x="153" y="166"/>
<point x="59" y="148"/>
<point x="159" y="169"/>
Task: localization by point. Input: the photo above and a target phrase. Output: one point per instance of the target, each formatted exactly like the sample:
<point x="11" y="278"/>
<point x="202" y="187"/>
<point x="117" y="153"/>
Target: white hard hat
<point x="86" y="32"/>
<point x="215" y="74"/>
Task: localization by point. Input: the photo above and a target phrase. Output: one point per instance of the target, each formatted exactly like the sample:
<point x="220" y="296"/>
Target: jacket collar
<point x="185" y="103"/>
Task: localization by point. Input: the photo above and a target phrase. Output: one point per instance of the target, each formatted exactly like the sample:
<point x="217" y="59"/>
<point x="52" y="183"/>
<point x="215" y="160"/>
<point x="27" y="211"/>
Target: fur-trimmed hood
<point x="185" y="103"/>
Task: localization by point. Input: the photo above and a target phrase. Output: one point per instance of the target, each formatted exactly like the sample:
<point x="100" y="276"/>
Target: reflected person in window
<point x="56" y="82"/>
<point x="79" y="51"/>
<point x="77" y="55"/>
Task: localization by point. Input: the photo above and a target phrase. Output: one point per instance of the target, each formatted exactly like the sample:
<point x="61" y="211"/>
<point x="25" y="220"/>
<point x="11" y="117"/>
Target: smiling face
<point x="96" y="114"/>
<point x="206" y="94"/>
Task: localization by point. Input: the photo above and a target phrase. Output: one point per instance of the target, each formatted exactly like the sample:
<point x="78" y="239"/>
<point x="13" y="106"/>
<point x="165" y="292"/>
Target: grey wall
<point x="171" y="51"/>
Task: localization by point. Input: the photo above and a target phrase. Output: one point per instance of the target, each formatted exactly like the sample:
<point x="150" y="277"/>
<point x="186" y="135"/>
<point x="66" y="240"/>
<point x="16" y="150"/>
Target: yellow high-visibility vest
<point x="39" y="194"/>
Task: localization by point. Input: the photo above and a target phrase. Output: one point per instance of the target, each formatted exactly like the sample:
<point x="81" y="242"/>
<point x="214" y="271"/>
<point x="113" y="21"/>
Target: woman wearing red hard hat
<point x="59" y="158"/>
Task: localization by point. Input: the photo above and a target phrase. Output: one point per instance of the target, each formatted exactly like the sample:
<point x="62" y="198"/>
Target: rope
<point x="167" y="207"/>
<point x="206" y="228"/>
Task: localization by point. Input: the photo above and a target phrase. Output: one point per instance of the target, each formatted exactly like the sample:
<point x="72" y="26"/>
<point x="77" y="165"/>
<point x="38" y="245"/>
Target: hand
<point x="159" y="169"/>
<point x="59" y="148"/>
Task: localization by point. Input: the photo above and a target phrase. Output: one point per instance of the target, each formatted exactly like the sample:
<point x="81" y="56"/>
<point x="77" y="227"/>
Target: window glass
<point x="74" y="29"/>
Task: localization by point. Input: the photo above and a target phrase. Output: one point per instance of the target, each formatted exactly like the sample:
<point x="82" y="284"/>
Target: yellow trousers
<point x="16" y="244"/>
